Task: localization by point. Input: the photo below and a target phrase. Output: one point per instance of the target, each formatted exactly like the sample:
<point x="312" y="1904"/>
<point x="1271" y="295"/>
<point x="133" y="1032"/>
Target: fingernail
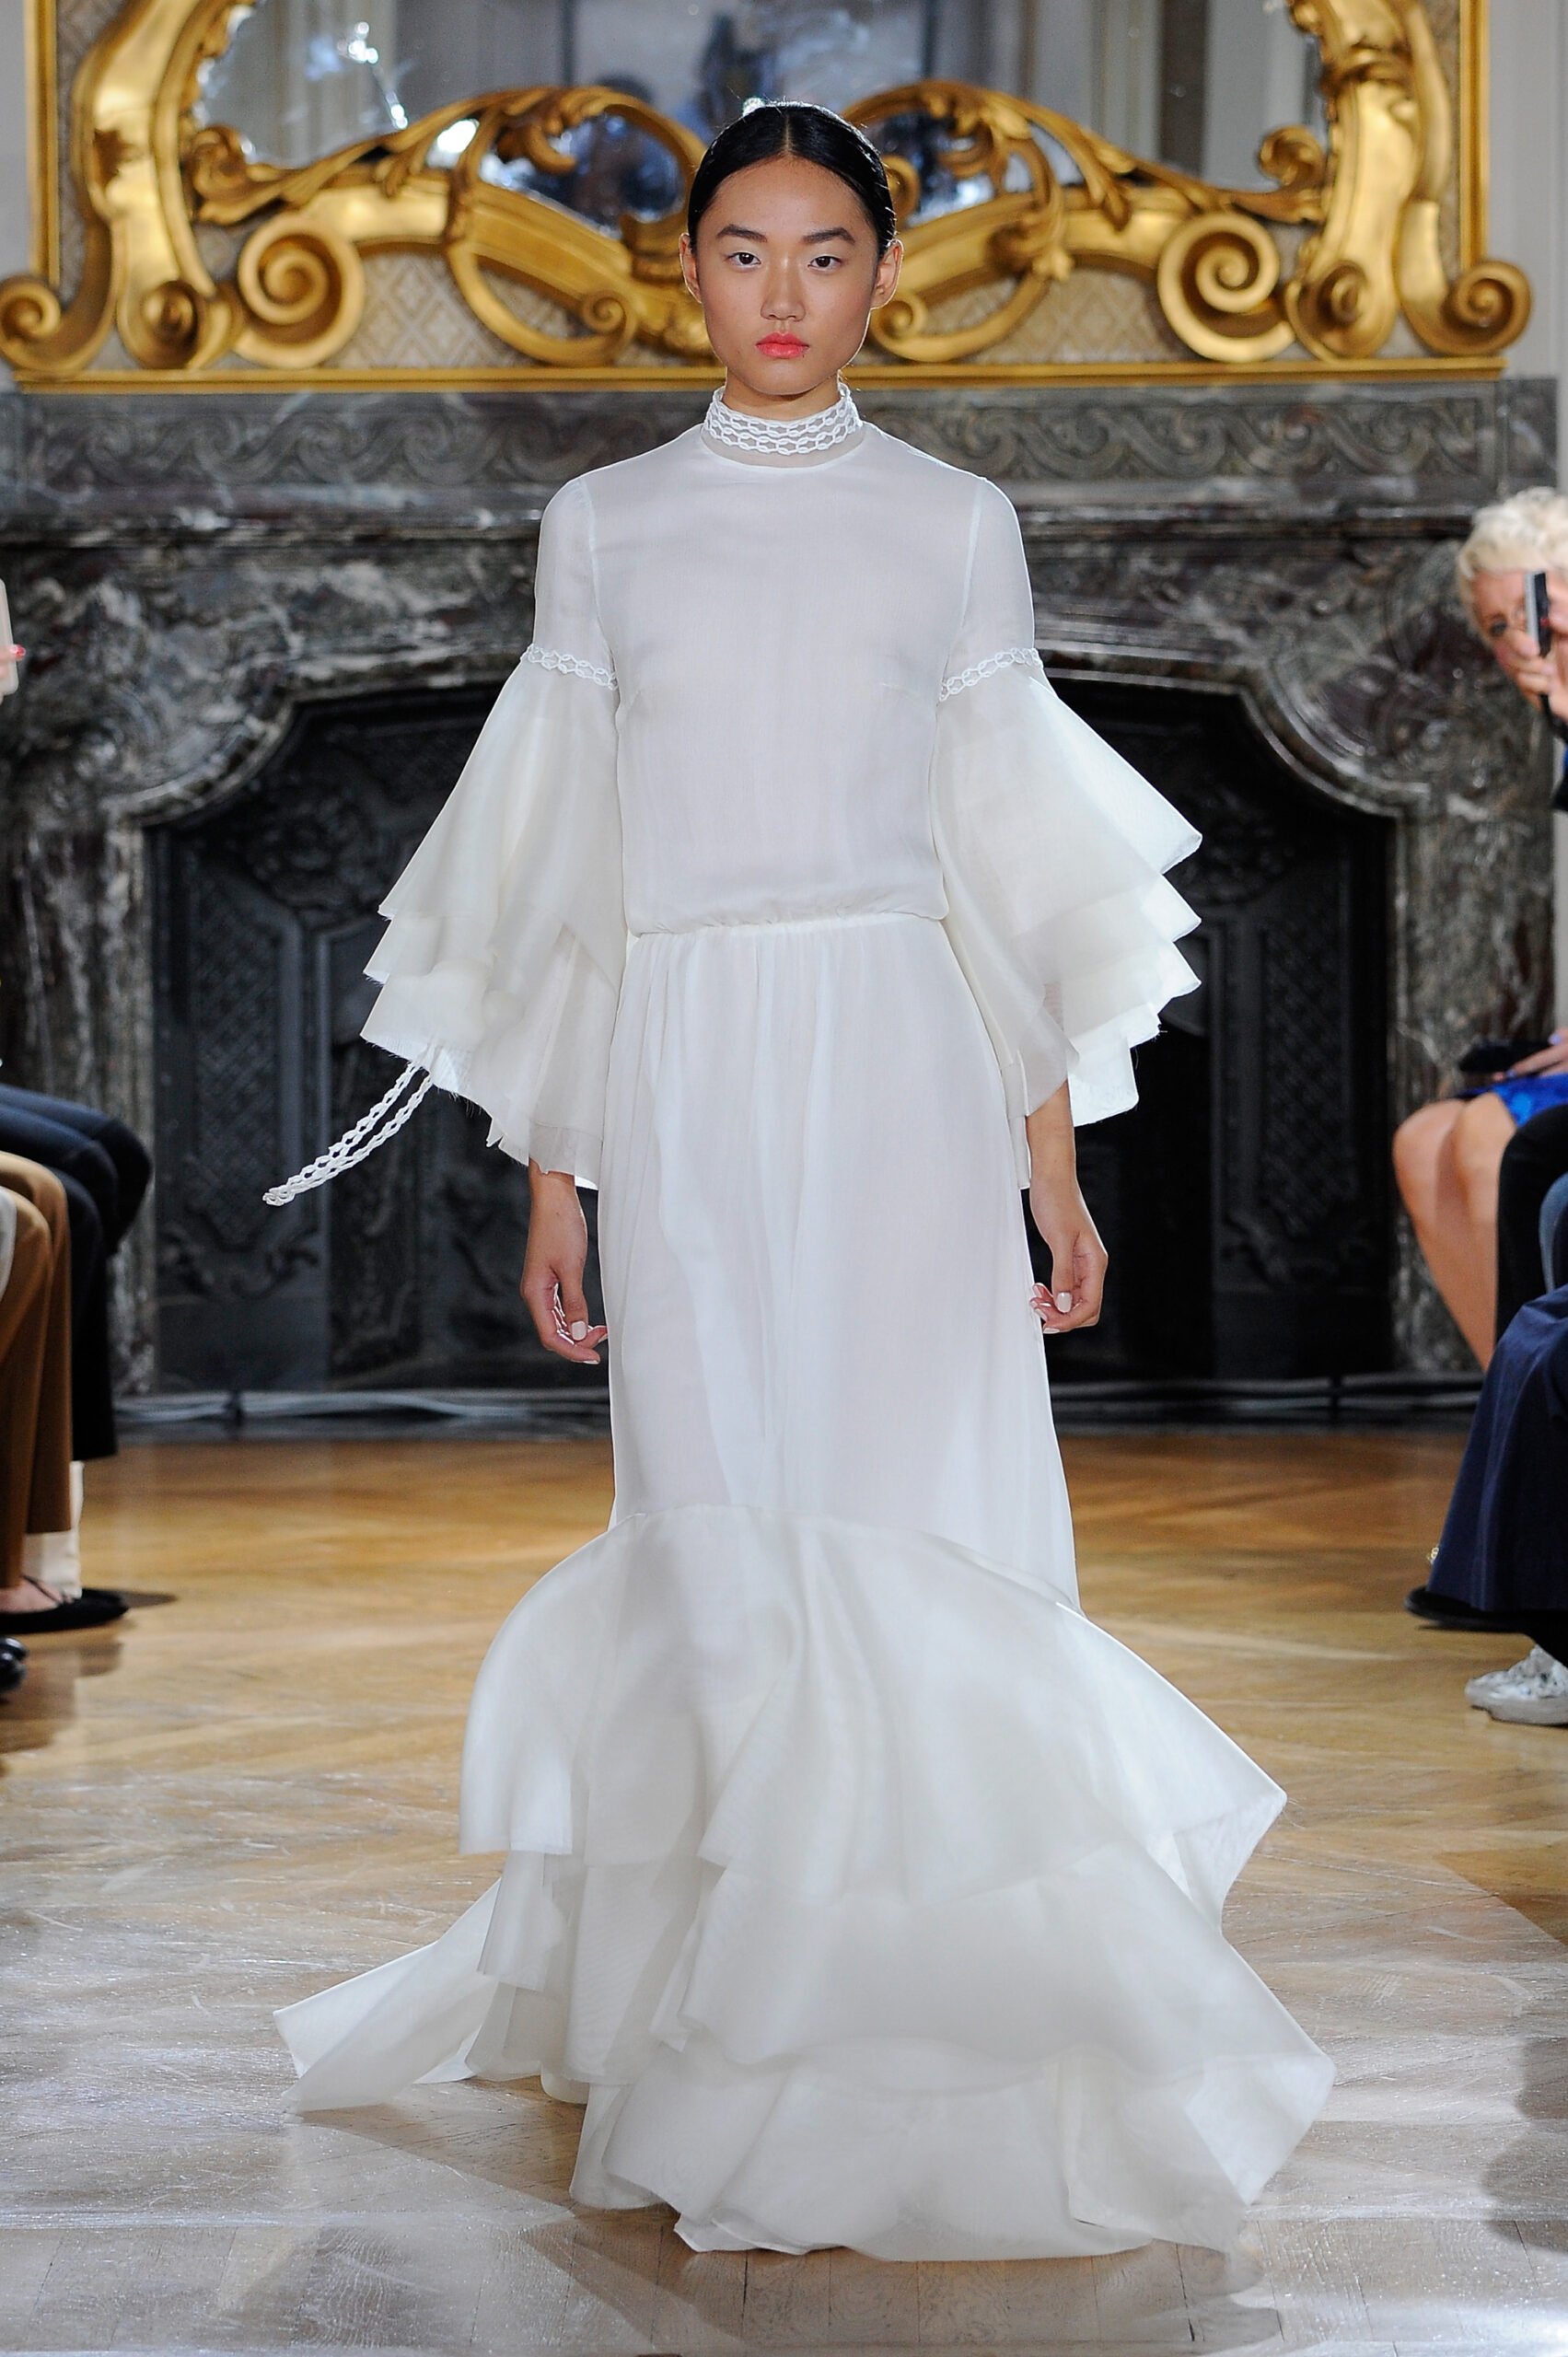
<point x="1064" y="1303"/>
<point x="578" y="1331"/>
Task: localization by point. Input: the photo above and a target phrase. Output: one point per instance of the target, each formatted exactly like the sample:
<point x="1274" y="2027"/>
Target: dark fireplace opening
<point x="1245" y="1201"/>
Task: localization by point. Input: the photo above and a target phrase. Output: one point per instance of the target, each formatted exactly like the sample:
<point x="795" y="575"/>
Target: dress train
<point x="869" y="1893"/>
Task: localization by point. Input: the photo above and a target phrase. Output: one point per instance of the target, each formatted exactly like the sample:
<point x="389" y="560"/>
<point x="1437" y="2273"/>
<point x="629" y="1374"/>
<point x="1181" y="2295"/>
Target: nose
<point x="781" y="296"/>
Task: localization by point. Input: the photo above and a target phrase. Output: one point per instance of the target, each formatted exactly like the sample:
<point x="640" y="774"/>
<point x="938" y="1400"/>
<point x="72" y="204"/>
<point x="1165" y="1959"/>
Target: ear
<point x="689" y="267"/>
<point x="886" y="278"/>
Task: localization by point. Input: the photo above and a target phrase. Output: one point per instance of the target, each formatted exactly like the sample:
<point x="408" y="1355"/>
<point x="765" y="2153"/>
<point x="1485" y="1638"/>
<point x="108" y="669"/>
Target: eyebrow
<point x="812" y="237"/>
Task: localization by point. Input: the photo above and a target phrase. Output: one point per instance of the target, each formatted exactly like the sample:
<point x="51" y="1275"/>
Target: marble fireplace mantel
<point x="188" y="570"/>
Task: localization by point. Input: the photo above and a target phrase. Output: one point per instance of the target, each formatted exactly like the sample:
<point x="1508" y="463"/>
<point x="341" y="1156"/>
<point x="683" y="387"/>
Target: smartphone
<point x="1538" y="606"/>
<point x="1488" y="1056"/>
<point x="8" y="674"/>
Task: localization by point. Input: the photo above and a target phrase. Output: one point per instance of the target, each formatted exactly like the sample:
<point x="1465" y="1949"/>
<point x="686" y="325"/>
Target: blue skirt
<point x="1532" y="1093"/>
<point x="1505" y="1544"/>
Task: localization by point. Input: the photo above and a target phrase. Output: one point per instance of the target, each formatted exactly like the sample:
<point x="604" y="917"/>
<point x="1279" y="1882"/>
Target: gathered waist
<point x="805" y="923"/>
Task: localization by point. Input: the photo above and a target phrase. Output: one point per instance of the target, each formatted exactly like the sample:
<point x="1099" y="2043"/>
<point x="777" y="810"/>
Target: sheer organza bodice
<point x="761" y="779"/>
<point x="767" y="685"/>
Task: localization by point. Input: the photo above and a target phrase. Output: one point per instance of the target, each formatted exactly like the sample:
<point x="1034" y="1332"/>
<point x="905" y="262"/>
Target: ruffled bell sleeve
<point x="1053" y="852"/>
<point x="502" y="960"/>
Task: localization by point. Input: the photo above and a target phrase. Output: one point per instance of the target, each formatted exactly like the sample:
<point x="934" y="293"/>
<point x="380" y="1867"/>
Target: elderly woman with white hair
<point x="1448" y="1156"/>
<point x="1474" y="1172"/>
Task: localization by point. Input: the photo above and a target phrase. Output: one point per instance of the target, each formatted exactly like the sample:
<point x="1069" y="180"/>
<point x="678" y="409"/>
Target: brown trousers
<point x="35" y="1365"/>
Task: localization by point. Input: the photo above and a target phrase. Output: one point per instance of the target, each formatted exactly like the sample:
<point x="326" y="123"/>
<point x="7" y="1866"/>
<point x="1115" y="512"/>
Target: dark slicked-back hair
<point x="796" y="127"/>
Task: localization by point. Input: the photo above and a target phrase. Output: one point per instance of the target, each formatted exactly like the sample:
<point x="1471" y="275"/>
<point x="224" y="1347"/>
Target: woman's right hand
<point x="1544" y="678"/>
<point x="551" y="1282"/>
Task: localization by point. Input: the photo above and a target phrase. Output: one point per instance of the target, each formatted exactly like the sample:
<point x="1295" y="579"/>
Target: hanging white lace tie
<point x="358" y="1144"/>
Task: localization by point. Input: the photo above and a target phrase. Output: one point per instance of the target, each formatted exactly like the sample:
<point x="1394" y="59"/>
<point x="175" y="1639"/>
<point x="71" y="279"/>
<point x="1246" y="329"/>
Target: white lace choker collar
<point x="783" y="436"/>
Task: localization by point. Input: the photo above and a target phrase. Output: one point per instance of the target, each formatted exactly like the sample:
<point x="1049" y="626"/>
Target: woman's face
<point x="1499" y="603"/>
<point x="787" y="271"/>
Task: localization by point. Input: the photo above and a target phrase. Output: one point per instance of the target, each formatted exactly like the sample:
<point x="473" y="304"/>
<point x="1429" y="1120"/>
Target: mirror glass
<point x="1194" y="83"/>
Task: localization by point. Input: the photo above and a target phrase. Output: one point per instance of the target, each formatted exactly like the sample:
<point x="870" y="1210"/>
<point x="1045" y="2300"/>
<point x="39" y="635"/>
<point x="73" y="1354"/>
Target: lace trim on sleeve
<point x="549" y="658"/>
<point x="987" y="667"/>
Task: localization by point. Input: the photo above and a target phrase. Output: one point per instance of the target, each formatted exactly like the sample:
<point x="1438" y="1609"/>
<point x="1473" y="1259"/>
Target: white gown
<point x="866" y="1891"/>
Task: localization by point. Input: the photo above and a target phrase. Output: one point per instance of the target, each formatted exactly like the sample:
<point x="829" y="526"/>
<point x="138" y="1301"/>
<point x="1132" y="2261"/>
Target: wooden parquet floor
<point x="247" y="1790"/>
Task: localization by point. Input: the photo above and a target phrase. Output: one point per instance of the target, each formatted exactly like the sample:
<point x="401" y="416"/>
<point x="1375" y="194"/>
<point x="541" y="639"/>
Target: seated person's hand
<point x="1498" y="606"/>
<point x="1544" y="676"/>
<point x="1550" y="1059"/>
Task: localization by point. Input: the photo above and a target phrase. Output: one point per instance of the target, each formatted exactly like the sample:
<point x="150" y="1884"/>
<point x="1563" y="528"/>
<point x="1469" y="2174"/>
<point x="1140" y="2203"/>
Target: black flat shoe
<point x="1447" y="1612"/>
<point x="92" y="1609"/>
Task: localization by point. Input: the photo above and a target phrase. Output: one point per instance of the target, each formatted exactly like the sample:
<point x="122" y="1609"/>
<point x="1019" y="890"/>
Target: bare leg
<point x="1446" y="1158"/>
<point x="1417" y="1143"/>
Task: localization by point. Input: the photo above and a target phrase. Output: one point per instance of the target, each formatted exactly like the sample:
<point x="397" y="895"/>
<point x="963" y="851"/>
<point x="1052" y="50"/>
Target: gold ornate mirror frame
<point x="1341" y="257"/>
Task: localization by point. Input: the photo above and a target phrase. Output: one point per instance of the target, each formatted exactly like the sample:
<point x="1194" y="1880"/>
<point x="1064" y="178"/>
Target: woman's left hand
<point x="1552" y="1058"/>
<point x="1077" y="1260"/>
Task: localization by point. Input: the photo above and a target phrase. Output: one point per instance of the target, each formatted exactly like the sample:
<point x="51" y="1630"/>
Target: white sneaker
<point x="1534" y="1693"/>
<point x="1479" y="1691"/>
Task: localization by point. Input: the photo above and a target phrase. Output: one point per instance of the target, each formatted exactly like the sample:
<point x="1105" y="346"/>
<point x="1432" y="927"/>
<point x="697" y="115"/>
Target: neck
<point x="750" y="401"/>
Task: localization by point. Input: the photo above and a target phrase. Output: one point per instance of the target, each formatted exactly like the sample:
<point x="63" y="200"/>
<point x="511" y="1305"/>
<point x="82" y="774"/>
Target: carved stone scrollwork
<point x="1321" y="263"/>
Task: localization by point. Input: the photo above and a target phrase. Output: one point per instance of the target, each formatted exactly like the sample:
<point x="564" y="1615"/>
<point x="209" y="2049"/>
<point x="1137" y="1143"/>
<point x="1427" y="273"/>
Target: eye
<point x="827" y="262"/>
<point x="741" y="254"/>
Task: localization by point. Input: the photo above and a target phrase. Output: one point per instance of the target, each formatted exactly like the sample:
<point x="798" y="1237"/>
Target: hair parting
<point x="796" y="127"/>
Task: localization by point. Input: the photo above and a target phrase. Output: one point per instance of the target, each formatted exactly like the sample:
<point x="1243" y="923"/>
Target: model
<point x="862" y="1890"/>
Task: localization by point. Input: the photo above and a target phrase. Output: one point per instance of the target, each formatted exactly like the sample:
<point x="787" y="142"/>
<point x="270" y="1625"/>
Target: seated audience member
<point x="1535" y="1161"/>
<point x="1554" y="1234"/>
<point x="35" y="1399"/>
<point x="1502" y="1561"/>
<point x="105" y="1169"/>
<point x="1448" y="1156"/>
<point x="13" y="1657"/>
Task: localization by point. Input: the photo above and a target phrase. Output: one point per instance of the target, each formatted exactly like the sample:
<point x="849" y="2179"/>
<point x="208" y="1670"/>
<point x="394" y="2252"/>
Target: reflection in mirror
<point x="1191" y="83"/>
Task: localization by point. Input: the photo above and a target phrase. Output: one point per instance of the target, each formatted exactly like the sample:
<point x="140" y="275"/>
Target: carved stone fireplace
<point x="266" y="627"/>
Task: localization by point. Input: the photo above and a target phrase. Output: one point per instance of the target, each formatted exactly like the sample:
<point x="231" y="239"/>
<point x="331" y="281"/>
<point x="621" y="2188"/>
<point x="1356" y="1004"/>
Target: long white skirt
<point x="866" y="1892"/>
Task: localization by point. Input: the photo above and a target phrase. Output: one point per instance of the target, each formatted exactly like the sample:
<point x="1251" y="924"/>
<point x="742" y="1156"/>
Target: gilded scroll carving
<point x="1324" y="263"/>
